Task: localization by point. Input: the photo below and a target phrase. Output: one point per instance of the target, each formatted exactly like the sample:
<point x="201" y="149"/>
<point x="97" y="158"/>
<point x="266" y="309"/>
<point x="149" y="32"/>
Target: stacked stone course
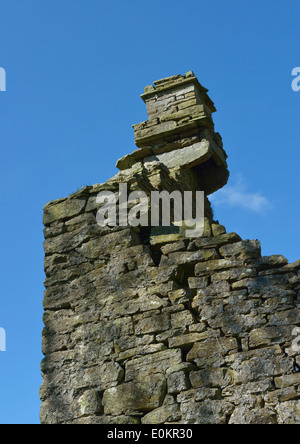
<point x="158" y="328"/>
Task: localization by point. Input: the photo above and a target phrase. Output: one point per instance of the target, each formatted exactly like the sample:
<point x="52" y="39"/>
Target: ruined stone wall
<point x="156" y="328"/>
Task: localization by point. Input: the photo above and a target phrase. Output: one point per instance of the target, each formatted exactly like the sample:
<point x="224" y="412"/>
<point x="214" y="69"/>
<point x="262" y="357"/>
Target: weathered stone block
<point x="242" y="250"/>
<point x="289" y="412"/>
<point x="182" y="319"/>
<point x="177" y="382"/>
<point x="209" y="266"/>
<point x="90" y="403"/>
<point x="233" y="274"/>
<point x="269" y="335"/>
<point x="102" y="376"/>
<point x="212" y="377"/>
<point x="187" y="340"/>
<point x="287" y="380"/>
<point x="171" y="248"/>
<point x="167" y="413"/>
<point x="145" y="350"/>
<point x="179" y="258"/>
<point x="217" y="241"/>
<point x="199" y="394"/>
<point x="218" y="229"/>
<point x="179" y="296"/>
<point x="258" y="364"/>
<point x="153" y="324"/>
<point x="197" y="282"/>
<point x="137" y="396"/>
<point x="208" y="412"/>
<point x="63" y="209"/>
<point x="212" y="351"/>
<point x="288" y="317"/>
<point x="243" y="415"/>
<point x="151" y="364"/>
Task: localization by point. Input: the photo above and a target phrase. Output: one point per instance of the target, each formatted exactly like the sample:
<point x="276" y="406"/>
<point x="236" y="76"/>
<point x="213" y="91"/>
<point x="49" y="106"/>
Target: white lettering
<point x="2" y="340"/>
<point x="296" y="341"/>
<point x="2" y="79"/>
<point x="296" y="81"/>
<point x="160" y="211"/>
<point x="165" y="199"/>
<point x="109" y="208"/>
<point x="140" y="209"/>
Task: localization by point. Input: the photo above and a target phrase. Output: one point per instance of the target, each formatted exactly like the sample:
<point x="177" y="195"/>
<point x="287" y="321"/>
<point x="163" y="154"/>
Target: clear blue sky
<point x="75" y="70"/>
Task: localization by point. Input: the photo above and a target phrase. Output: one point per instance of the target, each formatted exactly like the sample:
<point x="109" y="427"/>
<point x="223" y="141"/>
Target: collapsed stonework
<point x="149" y="326"/>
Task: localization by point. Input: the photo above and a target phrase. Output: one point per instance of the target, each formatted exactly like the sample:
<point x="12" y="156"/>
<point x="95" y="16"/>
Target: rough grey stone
<point x="150" y="326"/>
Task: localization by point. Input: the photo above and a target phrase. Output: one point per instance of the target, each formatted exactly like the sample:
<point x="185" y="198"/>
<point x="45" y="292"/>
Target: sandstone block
<point x="177" y="382"/>
<point x="63" y="209"/>
<point x="242" y="250"/>
<point x="266" y="336"/>
<point x="152" y="364"/>
<point x="212" y="351"/>
<point x="142" y="396"/>
<point x="212" y="377"/>
<point x="153" y="324"/>
<point x="208" y="412"/>
<point x="162" y="415"/>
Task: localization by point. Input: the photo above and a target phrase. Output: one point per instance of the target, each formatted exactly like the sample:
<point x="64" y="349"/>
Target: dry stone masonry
<point x="148" y="326"/>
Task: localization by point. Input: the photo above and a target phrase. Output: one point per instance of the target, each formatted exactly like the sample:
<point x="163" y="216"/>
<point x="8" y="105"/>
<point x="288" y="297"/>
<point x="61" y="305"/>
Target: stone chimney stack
<point x="180" y="133"/>
<point x="178" y="104"/>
